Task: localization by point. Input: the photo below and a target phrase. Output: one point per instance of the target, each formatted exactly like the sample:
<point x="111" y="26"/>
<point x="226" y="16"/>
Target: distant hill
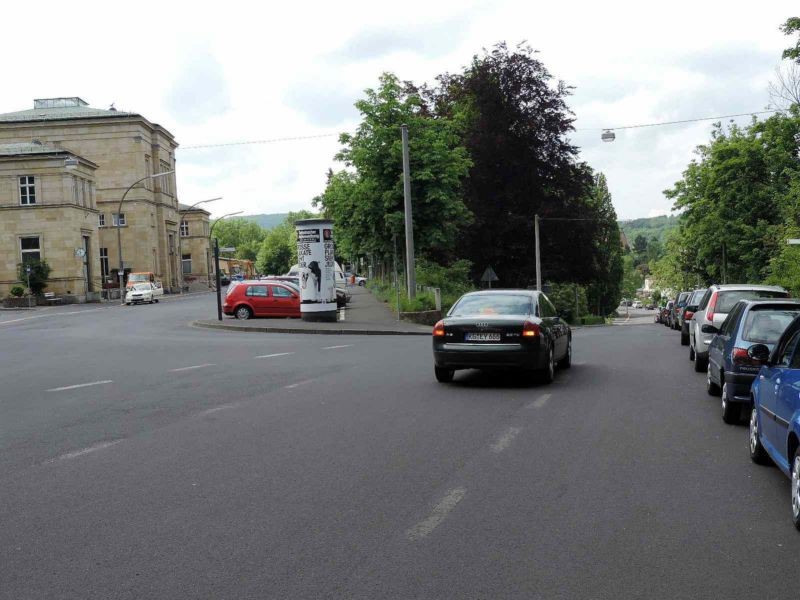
<point x="651" y="227"/>
<point x="267" y="221"/>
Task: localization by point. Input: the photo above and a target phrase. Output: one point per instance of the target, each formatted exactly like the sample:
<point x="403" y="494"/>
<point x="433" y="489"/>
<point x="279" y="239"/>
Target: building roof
<point x="54" y="109"/>
<point x="185" y="207"/>
<point x="29" y="148"/>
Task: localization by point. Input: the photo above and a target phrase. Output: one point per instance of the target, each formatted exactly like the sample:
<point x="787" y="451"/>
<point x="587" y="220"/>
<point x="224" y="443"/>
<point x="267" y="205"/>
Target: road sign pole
<point x="216" y="274"/>
<point x="30" y="292"/>
<point x="538" y="257"/>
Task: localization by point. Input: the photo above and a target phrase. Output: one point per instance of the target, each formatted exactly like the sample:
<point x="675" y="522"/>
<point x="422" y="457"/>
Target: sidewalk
<point x="364" y="315"/>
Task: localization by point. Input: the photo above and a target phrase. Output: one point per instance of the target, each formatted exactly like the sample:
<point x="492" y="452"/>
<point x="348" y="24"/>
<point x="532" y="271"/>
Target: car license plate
<point x="482" y="337"/>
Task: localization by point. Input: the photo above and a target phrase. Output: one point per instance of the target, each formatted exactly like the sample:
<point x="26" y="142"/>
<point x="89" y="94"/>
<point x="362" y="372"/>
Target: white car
<point x="637" y="304"/>
<point x="143" y="292"/>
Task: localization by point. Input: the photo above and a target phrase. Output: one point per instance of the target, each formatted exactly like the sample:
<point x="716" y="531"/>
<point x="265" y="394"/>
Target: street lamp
<point x="608" y="136"/>
<point x="180" y="234"/>
<point x="119" y="231"/>
<point x="211" y="231"/>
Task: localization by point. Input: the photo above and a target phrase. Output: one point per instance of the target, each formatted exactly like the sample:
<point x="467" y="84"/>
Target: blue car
<point x="731" y="370"/>
<point x="775" y="416"/>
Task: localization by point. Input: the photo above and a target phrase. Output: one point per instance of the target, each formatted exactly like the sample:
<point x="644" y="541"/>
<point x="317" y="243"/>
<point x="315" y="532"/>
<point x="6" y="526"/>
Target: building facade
<point x="194" y="245"/>
<point x="48" y="212"/>
<point x="126" y="148"/>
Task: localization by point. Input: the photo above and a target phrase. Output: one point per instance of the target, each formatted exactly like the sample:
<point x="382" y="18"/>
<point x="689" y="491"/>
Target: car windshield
<point x="141" y="286"/>
<point x="138" y="277"/>
<point x="765" y="325"/>
<point x="493" y="304"/>
<point x="696" y="297"/>
<point x="727" y="299"/>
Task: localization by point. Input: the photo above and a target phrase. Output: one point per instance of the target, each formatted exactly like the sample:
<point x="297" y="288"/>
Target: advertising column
<point x="315" y="258"/>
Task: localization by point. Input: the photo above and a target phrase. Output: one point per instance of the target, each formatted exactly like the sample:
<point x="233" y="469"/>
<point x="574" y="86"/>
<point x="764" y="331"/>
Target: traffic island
<point x="299" y="326"/>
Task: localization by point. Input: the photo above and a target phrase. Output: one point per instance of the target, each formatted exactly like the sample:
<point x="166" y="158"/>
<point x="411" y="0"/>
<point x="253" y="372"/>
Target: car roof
<point x="503" y="291"/>
<point x="771" y="301"/>
<point x="746" y="286"/>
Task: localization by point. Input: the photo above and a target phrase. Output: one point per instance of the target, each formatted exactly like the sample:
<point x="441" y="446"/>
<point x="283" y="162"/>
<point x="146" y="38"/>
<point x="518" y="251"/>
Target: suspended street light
<point x="608" y="136"/>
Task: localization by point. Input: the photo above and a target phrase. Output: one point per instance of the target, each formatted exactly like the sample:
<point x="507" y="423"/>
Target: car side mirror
<point x="709" y="329"/>
<point x="759" y="352"/>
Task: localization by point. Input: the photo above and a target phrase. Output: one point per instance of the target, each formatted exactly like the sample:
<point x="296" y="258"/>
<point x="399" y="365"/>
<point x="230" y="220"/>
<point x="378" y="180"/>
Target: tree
<point x="278" y="250"/>
<point x="785" y="90"/>
<point x="366" y="199"/>
<point x="516" y="123"/>
<point x="792" y="25"/>
<point x="640" y="244"/>
<point x="40" y="272"/>
<point x="243" y="234"/>
<point x="604" y="292"/>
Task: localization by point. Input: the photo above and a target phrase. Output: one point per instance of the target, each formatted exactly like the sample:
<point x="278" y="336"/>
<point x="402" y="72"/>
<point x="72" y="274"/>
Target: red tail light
<point x="438" y="329"/>
<point x="712" y="304"/>
<point x="687" y="315"/>
<point x="530" y="329"/>
<point x="740" y="357"/>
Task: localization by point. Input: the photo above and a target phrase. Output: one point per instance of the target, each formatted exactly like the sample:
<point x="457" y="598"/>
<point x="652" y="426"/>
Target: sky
<point x="219" y="73"/>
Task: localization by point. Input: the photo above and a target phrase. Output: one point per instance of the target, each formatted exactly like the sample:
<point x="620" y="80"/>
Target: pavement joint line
<point x="80" y="385"/>
<point x="84" y="451"/>
<point x="438" y="514"/>
<point x="274" y="355"/>
<point x="504" y="441"/>
<point x="540" y="401"/>
<point x="339" y="346"/>
<point x="299" y="383"/>
<point x="193" y="367"/>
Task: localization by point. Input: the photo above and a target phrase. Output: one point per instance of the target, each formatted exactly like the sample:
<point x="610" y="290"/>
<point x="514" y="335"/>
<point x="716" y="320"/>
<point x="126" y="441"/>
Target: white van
<point x="341" y="282"/>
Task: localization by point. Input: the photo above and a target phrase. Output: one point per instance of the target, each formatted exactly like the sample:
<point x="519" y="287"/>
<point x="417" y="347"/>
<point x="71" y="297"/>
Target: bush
<point x="17" y="291"/>
<point x="40" y="271"/>
<point x="592" y="320"/>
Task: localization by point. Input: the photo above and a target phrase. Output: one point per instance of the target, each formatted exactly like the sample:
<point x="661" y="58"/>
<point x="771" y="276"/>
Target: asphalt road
<point x="211" y="464"/>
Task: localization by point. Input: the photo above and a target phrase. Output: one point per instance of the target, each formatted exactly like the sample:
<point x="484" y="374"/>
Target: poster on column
<point x="315" y="258"/>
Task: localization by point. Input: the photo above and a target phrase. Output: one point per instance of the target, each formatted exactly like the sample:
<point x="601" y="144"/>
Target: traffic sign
<point x="228" y="249"/>
<point x="793" y="242"/>
<point x="489" y="275"/>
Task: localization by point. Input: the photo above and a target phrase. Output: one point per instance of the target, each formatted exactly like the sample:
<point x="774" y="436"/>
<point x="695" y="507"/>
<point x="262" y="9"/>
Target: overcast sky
<point x="219" y="72"/>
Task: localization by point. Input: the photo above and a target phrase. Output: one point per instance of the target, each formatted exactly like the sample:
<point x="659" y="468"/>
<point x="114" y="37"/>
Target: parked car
<point x="143" y="277"/>
<point x="650" y="307"/>
<point x="140" y="293"/>
<point x="775" y="413"/>
<point x="731" y="370"/>
<point x="254" y="298"/>
<point x="677" y="307"/>
<point x="342" y="297"/>
<point x="224" y="279"/>
<point x="637" y="304"/>
<point x="713" y="309"/>
<point x="665" y="311"/>
<point x="494" y="329"/>
<point x="688" y="312"/>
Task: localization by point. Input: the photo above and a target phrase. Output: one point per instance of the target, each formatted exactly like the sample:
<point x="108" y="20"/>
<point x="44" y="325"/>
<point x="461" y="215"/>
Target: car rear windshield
<point x="493" y="304"/>
<point x="765" y="325"/>
<point x="696" y="297"/>
<point x="727" y="299"/>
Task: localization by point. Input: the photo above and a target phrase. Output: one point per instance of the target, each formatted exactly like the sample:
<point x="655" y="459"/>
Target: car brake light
<point x="740" y="358"/>
<point x="438" y="329"/>
<point x="712" y="304"/>
<point x="687" y="315"/>
<point x="530" y="329"/>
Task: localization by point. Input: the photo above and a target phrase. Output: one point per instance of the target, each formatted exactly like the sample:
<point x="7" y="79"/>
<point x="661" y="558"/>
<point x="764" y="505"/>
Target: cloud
<point x="324" y="103"/>
<point x="199" y="91"/>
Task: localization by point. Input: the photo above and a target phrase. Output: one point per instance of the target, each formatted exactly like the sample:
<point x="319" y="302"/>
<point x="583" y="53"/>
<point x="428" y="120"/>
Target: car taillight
<point x="530" y="329"/>
<point x="438" y="329"/>
<point x="712" y="304"/>
<point x="740" y="358"/>
<point x="687" y="315"/>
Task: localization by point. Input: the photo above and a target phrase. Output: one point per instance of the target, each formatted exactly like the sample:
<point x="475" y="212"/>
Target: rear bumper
<point x="488" y="356"/>
<point x="739" y="386"/>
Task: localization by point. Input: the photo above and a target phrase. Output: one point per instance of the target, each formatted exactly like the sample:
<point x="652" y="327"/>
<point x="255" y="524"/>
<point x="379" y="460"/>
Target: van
<point x="144" y="277"/>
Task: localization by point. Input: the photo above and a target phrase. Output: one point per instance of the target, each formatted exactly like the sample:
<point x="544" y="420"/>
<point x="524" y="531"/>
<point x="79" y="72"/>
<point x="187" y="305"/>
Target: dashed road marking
<point x="299" y="383"/>
<point x="210" y="411"/>
<point x="540" y="401"/>
<point x="440" y="511"/>
<point x="84" y="451"/>
<point x="335" y="347"/>
<point x="504" y="441"/>
<point x="192" y="367"/>
<point x="274" y="355"/>
<point x="80" y="385"/>
<point x="58" y="314"/>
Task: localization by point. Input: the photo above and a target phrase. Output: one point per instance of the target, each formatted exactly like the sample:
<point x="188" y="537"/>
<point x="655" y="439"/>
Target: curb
<point x="257" y="329"/>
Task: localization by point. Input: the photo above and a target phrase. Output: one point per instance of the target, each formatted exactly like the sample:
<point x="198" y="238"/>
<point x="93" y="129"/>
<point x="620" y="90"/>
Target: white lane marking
<point x="58" y="314"/>
<point x="335" y="347"/>
<point x="84" y="451"/>
<point x="210" y="411"/>
<point x="193" y="367"/>
<point x="299" y="383"/>
<point x="274" y="355"/>
<point x="504" y="441"/>
<point x="440" y="511"/>
<point x="79" y="385"/>
<point x="540" y="401"/>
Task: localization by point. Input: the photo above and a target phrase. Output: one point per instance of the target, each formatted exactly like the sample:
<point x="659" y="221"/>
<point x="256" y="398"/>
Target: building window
<point x="184" y="228"/>
<point x="171" y="244"/>
<point x="30" y="249"/>
<point x="27" y="190"/>
<point x="104" y="263"/>
<point x="84" y="195"/>
<point x="166" y="180"/>
<point x="118" y="221"/>
<point x="147" y="171"/>
<point x="101" y="220"/>
<point x="186" y="261"/>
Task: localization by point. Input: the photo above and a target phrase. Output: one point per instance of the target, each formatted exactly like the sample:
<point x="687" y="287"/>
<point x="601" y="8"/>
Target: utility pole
<point x="216" y="275"/>
<point x="538" y="257"/>
<point x="411" y="279"/>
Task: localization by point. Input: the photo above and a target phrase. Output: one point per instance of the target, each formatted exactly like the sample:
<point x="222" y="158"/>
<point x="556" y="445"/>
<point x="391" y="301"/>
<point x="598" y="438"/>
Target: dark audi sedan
<point x="497" y="329"/>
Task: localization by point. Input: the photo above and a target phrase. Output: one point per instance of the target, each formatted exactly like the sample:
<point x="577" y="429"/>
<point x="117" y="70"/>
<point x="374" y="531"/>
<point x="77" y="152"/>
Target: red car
<point x="248" y="299"/>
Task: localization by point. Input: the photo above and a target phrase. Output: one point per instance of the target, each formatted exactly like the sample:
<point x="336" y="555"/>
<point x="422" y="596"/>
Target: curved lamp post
<point x="211" y="231"/>
<point x="180" y="225"/>
<point x="119" y="234"/>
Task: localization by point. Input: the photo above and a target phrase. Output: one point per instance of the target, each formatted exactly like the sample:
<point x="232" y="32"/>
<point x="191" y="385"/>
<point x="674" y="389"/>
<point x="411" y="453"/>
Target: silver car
<point x="713" y="309"/>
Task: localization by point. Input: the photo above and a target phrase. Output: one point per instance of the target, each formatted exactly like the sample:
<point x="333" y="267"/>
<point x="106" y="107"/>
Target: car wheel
<point x="127" y="304"/>
<point x="796" y="489"/>
<point x="731" y="411"/>
<point x="700" y="362"/>
<point x="547" y="374"/>
<point x="443" y="375"/>
<point x="362" y="283"/>
<point x="684" y="339"/>
<point x="566" y="362"/>
<point x="757" y="453"/>
<point x="691" y="352"/>
<point x="243" y="313"/>
<point x="156" y="300"/>
<point x="711" y="387"/>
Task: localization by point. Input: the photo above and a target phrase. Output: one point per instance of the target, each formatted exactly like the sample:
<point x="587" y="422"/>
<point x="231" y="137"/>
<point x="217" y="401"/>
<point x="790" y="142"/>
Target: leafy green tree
<point x="366" y="199"/>
<point x="278" y="250"/>
<point x="40" y="272"/>
<point x="243" y="234"/>
<point x="792" y="25"/>
<point x="640" y="244"/>
<point x="604" y="292"/>
<point x="632" y="279"/>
